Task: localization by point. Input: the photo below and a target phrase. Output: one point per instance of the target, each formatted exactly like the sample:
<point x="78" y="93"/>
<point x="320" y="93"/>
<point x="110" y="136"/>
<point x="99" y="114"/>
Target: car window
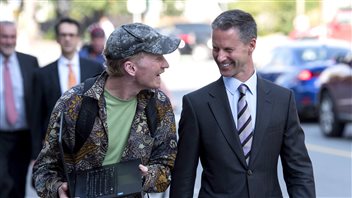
<point x="334" y="53"/>
<point x="310" y="55"/>
<point x="187" y="28"/>
<point x="201" y="30"/>
<point x="324" y="53"/>
<point x="281" y="57"/>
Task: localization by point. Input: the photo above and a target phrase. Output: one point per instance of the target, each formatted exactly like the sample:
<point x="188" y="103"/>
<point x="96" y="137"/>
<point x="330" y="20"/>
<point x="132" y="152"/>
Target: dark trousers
<point x="15" y="154"/>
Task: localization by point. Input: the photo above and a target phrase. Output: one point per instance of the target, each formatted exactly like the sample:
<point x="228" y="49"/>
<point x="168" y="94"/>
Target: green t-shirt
<point x="120" y="114"/>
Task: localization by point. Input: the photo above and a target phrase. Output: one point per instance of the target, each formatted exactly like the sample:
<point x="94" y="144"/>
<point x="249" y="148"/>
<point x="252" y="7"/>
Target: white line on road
<point x="327" y="150"/>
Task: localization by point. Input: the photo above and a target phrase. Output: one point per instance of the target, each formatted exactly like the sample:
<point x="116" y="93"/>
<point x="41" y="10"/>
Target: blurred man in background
<point x="16" y="85"/>
<point x="94" y="49"/>
<point x="54" y="79"/>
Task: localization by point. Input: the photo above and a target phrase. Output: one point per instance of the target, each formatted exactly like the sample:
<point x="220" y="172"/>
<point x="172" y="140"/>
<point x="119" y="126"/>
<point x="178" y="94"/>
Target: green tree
<point x="275" y="15"/>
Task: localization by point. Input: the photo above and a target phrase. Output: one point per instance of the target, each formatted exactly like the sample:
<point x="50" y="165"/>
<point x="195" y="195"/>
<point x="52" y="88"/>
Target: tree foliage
<point x="273" y="16"/>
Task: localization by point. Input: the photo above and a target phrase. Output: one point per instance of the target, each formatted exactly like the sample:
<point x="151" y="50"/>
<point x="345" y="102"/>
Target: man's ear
<point x="130" y="68"/>
<point x="252" y="45"/>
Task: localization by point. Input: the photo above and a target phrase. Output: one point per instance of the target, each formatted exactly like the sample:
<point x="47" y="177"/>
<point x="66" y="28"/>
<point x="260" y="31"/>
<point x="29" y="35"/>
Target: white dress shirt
<point x="232" y="84"/>
<point x="63" y="71"/>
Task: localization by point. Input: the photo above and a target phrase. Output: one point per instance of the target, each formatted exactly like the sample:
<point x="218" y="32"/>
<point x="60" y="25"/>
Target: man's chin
<point x="226" y="72"/>
<point x="7" y="52"/>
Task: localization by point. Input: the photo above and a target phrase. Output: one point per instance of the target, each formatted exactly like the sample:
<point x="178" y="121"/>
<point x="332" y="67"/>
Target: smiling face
<point x="233" y="57"/>
<point x="148" y="69"/>
<point x="8" y="37"/>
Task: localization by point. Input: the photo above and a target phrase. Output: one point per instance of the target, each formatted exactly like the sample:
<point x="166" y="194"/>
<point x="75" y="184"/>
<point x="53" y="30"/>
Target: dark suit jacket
<point x="28" y="65"/>
<point x="48" y="91"/>
<point x="207" y="131"/>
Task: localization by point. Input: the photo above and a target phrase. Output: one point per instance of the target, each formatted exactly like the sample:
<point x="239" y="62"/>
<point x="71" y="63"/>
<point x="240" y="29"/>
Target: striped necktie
<point x="244" y="122"/>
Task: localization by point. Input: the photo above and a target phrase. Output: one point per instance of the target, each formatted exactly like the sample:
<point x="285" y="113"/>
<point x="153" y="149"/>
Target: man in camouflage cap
<point x="134" y="63"/>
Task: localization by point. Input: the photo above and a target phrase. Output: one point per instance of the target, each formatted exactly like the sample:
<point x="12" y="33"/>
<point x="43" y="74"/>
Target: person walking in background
<point x="239" y="126"/>
<point x="94" y="49"/>
<point x="121" y="131"/>
<point x="16" y="86"/>
<point x="53" y="80"/>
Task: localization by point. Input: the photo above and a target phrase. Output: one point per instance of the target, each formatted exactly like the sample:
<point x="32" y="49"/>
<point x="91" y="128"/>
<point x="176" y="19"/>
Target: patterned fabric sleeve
<point x="164" y="149"/>
<point x="48" y="173"/>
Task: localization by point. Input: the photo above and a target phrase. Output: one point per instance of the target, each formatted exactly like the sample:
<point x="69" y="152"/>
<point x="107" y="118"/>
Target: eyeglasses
<point x="70" y="35"/>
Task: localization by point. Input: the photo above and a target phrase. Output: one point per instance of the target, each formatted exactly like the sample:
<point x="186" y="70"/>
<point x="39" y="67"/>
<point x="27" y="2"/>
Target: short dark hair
<point x="67" y="20"/>
<point x="238" y="19"/>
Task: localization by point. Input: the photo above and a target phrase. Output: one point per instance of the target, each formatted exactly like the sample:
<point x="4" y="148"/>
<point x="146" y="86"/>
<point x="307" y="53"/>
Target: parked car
<point x="335" y="97"/>
<point x="297" y="64"/>
<point x="195" y="38"/>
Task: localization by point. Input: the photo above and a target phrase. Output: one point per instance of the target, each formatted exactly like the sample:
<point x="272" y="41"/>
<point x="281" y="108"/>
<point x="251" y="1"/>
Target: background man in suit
<point x="16" y="81"/>
<point x="240" y="161"/>
<point x="54" y="79"/>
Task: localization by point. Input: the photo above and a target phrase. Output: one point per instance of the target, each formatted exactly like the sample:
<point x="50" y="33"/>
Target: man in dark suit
<point x="16" y="85"/>
<point x="54" y="79"/>
<point x="239" y="134"/>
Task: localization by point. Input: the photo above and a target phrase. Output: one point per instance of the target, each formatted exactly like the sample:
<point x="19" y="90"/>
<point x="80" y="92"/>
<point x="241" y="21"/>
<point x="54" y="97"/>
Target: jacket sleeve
<point x="48" y="171"/>
<point x="297" y="166"/>
<point x="164" y="149"/>
<point x="37" y="115"/>
<point x="185" y="171"/>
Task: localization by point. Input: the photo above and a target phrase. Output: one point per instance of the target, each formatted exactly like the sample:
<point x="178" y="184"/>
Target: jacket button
<point x="249" y="172"/>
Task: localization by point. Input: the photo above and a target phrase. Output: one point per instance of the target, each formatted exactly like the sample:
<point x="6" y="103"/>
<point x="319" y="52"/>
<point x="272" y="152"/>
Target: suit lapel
<point x="220" y="107"/>
<point x="24" y="70"/>
<point x="56" y="78"/>
<point x="264" y="105"/>
<point x="84" y="72"/>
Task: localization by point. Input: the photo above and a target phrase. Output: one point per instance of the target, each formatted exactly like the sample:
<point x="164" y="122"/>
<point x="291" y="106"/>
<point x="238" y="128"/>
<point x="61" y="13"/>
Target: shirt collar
<point x="11" y="59"/>
<point x="74" y="61"/>
<point x="232" y="84"/>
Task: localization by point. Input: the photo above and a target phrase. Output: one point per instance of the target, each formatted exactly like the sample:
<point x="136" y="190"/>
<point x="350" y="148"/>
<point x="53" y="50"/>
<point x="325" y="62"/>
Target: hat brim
<point x="164" y="45"/>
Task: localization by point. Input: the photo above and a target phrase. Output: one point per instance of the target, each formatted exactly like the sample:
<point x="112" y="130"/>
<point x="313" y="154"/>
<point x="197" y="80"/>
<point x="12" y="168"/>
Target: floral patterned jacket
<point x="157" y="151"/>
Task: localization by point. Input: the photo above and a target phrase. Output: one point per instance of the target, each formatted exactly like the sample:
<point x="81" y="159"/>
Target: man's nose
<point x="165" y="64"/>
<point x="221" y="56"/>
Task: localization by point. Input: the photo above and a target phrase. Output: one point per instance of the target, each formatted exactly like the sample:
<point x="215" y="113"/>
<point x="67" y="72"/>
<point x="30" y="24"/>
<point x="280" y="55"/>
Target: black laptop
<point x="115" y="180"/>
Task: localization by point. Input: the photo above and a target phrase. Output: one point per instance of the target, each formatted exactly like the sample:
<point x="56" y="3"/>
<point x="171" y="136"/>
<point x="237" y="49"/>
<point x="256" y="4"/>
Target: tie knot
<point x="242" y="88"/>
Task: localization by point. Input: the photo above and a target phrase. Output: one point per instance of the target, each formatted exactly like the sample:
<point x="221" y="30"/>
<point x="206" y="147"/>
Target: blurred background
<point x="296" y="19"/>
<point x="280" y="19"/>
<point x="304" y="45"/>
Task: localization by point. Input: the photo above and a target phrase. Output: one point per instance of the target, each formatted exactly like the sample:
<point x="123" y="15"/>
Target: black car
<point x="195" y="38"/>
<point x="335" y="97"/>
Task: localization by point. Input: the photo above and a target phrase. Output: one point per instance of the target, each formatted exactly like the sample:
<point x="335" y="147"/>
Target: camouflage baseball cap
<point x="131" y="39"/>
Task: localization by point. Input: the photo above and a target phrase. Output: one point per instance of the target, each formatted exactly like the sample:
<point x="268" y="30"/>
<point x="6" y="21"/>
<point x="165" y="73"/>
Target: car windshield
<point x="300" y="56"/>
<point x="312" y="54"/>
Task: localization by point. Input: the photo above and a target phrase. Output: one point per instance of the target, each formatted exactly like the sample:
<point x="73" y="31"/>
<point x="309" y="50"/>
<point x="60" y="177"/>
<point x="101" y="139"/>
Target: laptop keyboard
<point x="101" y="182"/>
